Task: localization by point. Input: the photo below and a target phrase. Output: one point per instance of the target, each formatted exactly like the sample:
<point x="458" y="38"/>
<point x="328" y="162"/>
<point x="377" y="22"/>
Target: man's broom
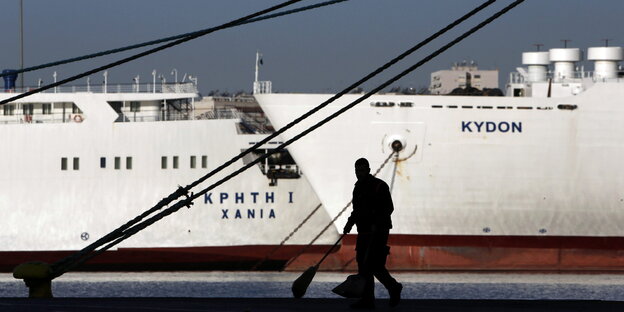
<point x="300" y="285"/>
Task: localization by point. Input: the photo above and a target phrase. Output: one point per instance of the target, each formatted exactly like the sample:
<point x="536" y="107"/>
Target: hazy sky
<point x="317" y="51"/>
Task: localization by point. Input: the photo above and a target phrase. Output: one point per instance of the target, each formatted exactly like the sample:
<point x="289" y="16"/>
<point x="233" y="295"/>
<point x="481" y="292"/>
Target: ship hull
<point x="407" y="253"/>
<point x="482" y="253"/>
<point x="482" y="182"/>
<point x="257" y="257"/>
<point x="66" y="183"/>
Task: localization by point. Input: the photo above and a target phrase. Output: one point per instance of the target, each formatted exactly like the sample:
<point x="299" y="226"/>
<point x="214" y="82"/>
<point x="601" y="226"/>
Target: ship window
<point x="129" y="163"/>
<point x="75" y="109"/>
<point x="135" y="106"/>
<point x="175" y="162"/>
<point x="477" y="76"/>
<point x="204" y="161"/>
<point x="117" y="163"/>
<point x="27" y="109"/>
<point x="163" y="162"/>
<point x="46" y="108"/>
<point x="102" y="162"/>
<point x="9" y="110"/>
<point x="193" y="162"/>
<point x="64" y="163"/>
<point x="76" y="163"/>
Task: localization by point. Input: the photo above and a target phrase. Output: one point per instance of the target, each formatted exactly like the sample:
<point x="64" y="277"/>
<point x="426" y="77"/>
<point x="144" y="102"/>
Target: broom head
<point x="300" y="285"/>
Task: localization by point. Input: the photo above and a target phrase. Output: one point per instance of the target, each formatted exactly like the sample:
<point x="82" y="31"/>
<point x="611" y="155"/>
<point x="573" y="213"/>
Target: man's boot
<point x="395" y="295"/>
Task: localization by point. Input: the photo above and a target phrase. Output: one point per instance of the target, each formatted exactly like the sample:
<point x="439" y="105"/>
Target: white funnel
<point x="605" y="61"/>
<point x="538" y="65"/>
<point x="564" y="60"/>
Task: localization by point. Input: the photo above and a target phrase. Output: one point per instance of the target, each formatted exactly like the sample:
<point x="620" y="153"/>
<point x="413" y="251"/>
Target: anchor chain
<point x="396" y="162"/>
<point x="333" y="221"/>
<point x="287" y="237"/>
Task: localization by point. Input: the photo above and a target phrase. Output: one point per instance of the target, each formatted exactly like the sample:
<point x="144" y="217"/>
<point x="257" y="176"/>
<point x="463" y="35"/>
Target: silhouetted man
<point x="372" y="207"/>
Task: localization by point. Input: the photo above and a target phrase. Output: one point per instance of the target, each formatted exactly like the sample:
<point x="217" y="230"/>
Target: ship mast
<point x="256" y="86"/>
<point x="257" y="60"/>
<point x="21" y="21"/>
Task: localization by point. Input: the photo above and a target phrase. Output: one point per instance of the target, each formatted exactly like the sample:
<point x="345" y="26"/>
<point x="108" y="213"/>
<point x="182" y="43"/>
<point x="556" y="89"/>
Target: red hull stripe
<point x="565" y="242"/>
<point x="404" y="247"/>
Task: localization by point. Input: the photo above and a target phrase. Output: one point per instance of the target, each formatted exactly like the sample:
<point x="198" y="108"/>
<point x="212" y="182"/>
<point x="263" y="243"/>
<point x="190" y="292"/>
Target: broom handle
<point x="330" y="250"/>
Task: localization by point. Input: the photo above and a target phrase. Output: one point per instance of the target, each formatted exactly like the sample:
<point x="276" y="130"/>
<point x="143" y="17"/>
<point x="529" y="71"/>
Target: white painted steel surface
<point x="559" y="173"/>
<point x="46" y="208"/>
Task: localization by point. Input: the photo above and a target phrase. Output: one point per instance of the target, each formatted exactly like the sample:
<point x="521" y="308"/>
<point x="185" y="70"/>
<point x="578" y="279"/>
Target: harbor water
<point x="491" y="286"/>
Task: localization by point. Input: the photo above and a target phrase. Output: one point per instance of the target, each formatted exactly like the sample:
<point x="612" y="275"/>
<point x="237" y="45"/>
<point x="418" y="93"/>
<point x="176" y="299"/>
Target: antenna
<point x="257" y="63"/>
<point x="606" y="41"/>
<point x="538" y="46"/>
<point x="105" y="74"/>
<point x="256" y="84"/>
<point x="21" y="21"/>
<point x="54" y="77"/>
<point x="175" y="72"/>
<point x="565" y="42"/>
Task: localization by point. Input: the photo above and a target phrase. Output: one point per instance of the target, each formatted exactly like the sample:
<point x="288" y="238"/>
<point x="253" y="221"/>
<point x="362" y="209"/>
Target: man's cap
<point x="362" y="163"/>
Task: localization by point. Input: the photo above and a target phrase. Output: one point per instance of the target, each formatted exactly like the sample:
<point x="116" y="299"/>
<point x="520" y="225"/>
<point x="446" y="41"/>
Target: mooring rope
<point x="189" y="200"/>
<point x="333" y="221"/>
<point x="270" y="253"/>
<point x="148" y="52"/>
<point x="396" y="163"/>
<point x="166" y="39"/>
<point x="183" y="191"/>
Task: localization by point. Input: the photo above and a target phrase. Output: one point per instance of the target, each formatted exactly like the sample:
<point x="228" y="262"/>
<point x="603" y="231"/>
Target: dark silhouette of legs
<point x="372" y="252"/>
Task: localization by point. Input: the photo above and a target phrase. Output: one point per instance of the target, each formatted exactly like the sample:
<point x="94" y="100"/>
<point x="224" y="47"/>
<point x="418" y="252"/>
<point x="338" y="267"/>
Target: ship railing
<point x="18" y="118"/>
<point x="220" y="113"/>
<point x="240" y="98"/>
<point x="262" y="87"/>
<point x="79" y="118"/>
<point x="516" y="77"/>
<point x="171" y="116"/>
<point x="187" y="87"/>
<point x="42" y="118"/>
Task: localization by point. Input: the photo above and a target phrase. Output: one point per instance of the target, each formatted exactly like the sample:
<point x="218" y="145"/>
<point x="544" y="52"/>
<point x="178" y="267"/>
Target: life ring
<point x="78" y="118"/>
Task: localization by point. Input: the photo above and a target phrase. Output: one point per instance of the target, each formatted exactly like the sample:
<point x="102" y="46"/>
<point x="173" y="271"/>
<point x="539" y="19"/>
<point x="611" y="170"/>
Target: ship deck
<point x="300" y="305"/>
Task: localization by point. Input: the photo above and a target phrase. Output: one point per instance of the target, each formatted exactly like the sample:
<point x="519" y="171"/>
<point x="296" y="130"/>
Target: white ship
<point x="78" y="162"/>
<point x="532" y="180"/>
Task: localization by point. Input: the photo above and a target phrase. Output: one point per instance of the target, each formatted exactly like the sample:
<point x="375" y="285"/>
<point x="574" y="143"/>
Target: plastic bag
<point x="352" y="287"/>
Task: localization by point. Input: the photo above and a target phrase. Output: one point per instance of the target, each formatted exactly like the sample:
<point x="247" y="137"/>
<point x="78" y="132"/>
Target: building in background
<point x="463" y="75"/>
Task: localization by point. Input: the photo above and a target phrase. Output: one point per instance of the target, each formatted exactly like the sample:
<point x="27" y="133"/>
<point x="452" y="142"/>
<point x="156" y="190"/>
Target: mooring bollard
<point x="38" y="278"/>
